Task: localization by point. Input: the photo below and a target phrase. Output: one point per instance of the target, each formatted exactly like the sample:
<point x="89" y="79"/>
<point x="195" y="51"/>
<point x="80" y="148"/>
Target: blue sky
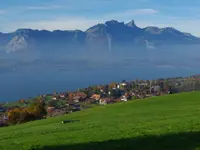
<point x="81" y="14"/>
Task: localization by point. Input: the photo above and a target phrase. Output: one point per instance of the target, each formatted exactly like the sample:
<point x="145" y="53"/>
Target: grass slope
<point x="168" y="122"/>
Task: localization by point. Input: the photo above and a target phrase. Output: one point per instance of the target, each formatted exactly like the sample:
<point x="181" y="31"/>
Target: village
<point x="58" y="104"/>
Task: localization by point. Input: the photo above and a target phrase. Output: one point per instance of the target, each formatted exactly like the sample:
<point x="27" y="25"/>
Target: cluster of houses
<point x="125" y="91"/>
<point x="103" y="95"/>
<point x="68" y="102"/>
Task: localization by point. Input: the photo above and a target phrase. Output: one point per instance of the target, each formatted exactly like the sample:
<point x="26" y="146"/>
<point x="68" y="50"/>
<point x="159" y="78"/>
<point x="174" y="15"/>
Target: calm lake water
<point x="29" y="76"/>
<point x="23" y="84"/>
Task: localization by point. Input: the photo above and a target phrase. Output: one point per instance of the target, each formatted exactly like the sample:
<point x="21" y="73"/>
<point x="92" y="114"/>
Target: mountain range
<point x="104" y="37"/>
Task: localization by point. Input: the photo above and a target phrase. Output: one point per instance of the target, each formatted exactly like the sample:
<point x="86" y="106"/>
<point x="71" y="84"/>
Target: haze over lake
<point x="21" y="79"/>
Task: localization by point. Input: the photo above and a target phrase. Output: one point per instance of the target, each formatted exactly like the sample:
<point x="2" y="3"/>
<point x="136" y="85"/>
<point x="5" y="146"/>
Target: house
<point x="62" y="95"/>
<point x="100" y="88"/>
<point x="58" y="112"/>
<point x="156" y="88"/>
<point x="128" y="95"/>
<point x="103" y="101"/>
<point x="54" y="98"/>
<point x="123" y="83"/>
<point x="142" y="85"/>
<point x="76" y="99"/>
<point x="75" y="107"/>
<point x="80" y="96"/>
<point x="95" y="96"/>
<point x="124" y="98"/>
<point x="50" y="109"/>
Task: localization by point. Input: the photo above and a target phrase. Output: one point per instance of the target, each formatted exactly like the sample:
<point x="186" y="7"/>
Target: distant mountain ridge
<point x="108" y="36"/>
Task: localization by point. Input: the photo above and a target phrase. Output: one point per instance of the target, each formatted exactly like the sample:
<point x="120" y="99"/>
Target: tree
<point x="51" y="103"/>
<point x="14" y="115"/>
<point x="35" y="111"/>
<point x="40" y="110"/>
<point x="57" y="104"/>
<point x="105" y="88"/>
<point x="112" y="85"/>
<point x="97" y="91"/>
<point x="116" y="93"/>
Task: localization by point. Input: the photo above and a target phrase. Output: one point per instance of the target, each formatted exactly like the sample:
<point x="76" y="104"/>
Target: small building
<point x="142" y="85"/>
<point x="124" y="98"/>
<point x="75" y="107"/>
<point x="50" y="109"/>
<point x="62" y="95"/>
<point x="103" y="101"/>
<point x="123" y="84"/>
<point x="54" y="98"/>
<point x="156" y="88"/>
<point x="76" y="99"/>
<point x="95" y="96"/>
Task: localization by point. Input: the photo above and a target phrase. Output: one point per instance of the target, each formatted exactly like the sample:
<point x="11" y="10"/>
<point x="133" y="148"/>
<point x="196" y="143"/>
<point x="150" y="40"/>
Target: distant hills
<point x="104" y="37"/>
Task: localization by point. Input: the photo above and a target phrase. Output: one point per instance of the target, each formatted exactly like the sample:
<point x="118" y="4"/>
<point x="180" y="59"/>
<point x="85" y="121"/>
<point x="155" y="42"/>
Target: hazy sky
<point x="81" y="14"/>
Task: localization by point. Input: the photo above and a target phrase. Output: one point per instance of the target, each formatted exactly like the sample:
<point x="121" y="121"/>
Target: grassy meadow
<point x="160" y="123"/>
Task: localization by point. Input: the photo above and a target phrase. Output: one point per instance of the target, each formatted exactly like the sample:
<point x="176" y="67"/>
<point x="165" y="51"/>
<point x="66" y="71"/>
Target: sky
<point x="183" y="15"/>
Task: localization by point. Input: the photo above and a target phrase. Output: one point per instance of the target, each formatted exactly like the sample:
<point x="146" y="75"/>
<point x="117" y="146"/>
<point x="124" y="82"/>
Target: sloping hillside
<point x="168" y="122"/>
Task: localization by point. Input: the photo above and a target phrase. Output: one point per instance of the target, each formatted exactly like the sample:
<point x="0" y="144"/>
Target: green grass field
<point x="159" y="123"/>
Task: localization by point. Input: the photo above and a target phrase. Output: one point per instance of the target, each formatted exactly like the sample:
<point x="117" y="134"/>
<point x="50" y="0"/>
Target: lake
<point x="19" y="85"/>
<point x="21" y="79"/>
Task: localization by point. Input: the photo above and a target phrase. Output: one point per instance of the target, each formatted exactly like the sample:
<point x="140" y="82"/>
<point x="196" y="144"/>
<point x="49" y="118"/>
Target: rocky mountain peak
<point x="131" y="24"/>
<point x="17" y="43"/>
